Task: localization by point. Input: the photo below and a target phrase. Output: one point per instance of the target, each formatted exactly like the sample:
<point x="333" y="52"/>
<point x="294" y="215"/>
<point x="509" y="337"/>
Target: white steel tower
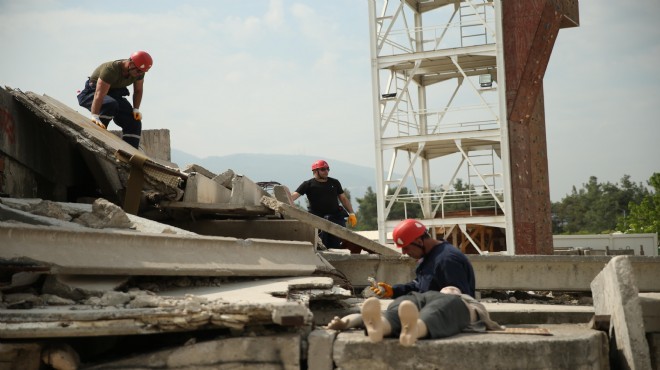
<point x="440" y="119"/>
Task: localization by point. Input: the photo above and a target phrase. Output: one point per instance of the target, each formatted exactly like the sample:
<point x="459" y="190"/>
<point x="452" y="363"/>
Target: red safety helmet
<point x="407" y="231"/>
<point x="320" y="164"/>
<point x="142" y="60"/>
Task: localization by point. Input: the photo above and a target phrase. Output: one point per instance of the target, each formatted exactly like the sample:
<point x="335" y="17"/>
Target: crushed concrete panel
<point x="238" y="305"/>
<point x="99" y="147"/>
<point x="118" y="252"/>
<point x="20" y="210"/>
<point x="327" y="226"/>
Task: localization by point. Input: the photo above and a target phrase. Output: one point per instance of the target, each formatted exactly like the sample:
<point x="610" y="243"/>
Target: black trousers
<point x="329" y="240"/>
<point x="114" y="107"/>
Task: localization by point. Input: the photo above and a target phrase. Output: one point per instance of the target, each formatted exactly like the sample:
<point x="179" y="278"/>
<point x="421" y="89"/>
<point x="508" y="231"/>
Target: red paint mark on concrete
<point x="7" y="125"/>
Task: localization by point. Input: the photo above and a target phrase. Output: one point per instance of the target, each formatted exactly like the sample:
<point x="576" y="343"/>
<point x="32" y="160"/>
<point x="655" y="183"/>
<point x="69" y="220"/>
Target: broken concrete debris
<point x="82" y="283"/>
<point x="71" y="302"/>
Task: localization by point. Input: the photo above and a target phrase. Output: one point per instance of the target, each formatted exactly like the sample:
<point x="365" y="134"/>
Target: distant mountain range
<point x="289" y="170"/>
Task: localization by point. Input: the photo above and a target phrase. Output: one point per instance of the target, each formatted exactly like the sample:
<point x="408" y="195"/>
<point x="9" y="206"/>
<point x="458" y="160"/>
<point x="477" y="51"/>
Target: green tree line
<point x="595" y="208"/>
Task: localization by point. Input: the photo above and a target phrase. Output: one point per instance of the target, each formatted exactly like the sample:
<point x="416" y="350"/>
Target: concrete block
<point x="201" y="189"/>
<point x="20" y="356"/>
<point x="190" y="168"/>
<point x="245" y="192"/>
<point x="651" y="311"/>
<point x="569" y="347"/>
<point x="654" y="349"/>
<point x="282" y="194"/>
<point x="319" y="350"/>
<point x="156" y="144"/>
<point x="290" y="314"/>
<point x="225" y="178"/>
<point x="357" y="268"/>
<point x="615" y="293"/>
<point x="266" y="352"/>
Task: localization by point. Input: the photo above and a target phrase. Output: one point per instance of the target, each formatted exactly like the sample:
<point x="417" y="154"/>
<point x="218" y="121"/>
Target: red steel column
<point x="530" y="28"/>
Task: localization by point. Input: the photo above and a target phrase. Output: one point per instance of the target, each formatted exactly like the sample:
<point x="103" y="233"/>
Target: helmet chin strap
<point x="420" y="246"/>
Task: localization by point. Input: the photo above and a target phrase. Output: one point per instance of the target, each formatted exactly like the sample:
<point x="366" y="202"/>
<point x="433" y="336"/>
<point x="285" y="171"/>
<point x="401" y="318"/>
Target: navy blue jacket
<point x="444" y="265"/>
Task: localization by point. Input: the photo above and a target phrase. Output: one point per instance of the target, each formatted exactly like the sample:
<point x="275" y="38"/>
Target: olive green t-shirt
<point x="111" y="73"/>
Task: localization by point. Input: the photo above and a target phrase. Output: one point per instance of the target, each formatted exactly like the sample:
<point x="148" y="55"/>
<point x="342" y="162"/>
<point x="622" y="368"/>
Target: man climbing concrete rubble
<point x="323" y="191"/>
<point x="105" y="90"/>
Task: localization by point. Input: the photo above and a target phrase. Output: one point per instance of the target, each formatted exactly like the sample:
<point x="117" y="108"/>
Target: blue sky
<point x="293" y="77"/>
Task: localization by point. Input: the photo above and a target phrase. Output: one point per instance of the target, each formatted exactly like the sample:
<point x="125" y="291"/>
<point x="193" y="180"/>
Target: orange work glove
<point x="137" y="115"/>
<point x="352" y="220"/>
<point x="383" y="290"/>
<point x="97" y="121"/>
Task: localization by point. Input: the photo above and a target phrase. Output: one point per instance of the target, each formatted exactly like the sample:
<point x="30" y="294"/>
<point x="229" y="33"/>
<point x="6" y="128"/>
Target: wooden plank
<point x="530" y="331"/>
<point x="327" y="226"/>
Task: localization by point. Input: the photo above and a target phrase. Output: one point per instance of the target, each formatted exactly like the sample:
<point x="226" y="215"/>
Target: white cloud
<point x="289" y="77"/>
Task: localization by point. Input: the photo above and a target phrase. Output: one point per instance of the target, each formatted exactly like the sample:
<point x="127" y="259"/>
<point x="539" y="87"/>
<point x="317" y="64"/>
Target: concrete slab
<point x="114" y="252"/>
<point x="615" y="293"/>
<point x="140" y="224"/>
<point x="237" y="305"/>
<point x="100" y="145"/>
<point x="319" y="350"/>
<point x="225" y="209"/>
<point x="277" y="229"/>
<point x="569" y="347"/>
<point x="569" y="273"/>
<point x="263" y="353"/>
<point x="263" y="290"/>
<point x="327" y="226"/>
<point x="11" y="214"/>
<point x="544" y="273"/>
<point x="358" y="267"/>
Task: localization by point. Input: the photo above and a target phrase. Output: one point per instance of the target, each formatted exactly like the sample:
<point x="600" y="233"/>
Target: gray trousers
<point x="444" y="314"/>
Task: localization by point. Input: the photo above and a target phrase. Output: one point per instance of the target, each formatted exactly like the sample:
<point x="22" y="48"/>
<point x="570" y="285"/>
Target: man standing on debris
<point x="441" y="264"/>
<point x="105" y="91"/>
<point x="322" y="193"/>
<point x="413" y="316"/>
